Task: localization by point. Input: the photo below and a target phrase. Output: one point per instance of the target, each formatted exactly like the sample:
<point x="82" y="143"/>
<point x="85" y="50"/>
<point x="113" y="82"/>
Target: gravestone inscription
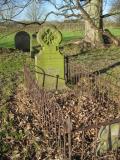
<point x="49" y="58"/>
<point x="22" y="41"/>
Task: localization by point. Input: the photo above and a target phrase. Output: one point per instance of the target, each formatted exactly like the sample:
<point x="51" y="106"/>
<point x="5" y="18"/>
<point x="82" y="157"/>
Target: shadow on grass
<point x="7" y="45"/>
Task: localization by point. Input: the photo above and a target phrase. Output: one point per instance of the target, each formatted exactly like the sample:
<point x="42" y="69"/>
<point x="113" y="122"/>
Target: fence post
<point x="43" y="80"/>
<point x="65" y="141"/>
<point x="82" y="155"/>
<point x="66" y="68"/>
<point x="57" y="77"/>
<point x="69" y="128"/>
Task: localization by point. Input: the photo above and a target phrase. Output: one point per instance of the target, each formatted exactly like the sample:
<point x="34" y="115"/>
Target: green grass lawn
<point x="8" y="41"/>
<point x="115" y="31"/>
<point x="95" y="60"/>
<point x="74" y="35"/>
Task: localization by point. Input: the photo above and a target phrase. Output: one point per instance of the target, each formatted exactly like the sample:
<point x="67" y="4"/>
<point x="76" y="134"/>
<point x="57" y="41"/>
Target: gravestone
<point x="109" y="138"/>
<point x="49" y="58"/>
<point x="35" y="46"/>
<point x="22" y="41"/>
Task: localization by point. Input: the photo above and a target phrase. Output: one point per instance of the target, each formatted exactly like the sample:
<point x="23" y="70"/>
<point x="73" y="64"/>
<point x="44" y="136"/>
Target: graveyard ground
<point x="18" y="136"/>
<point x="21" y="136"/>
<point x="17" y="140"/>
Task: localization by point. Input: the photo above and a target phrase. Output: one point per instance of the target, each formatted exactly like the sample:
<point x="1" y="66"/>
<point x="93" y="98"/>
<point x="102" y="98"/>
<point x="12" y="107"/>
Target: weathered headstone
<point x="22" y="41"/>
<point x="35" y="46"/>
<point x="49" y="58"/>
<point x="109" y="138"/>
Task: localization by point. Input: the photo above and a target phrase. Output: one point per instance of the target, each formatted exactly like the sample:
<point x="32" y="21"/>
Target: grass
<point x="7" y="130"/>
<point x="8" y="41"/>
<point x="115" y="31"/>
<point x="11" y="67"/>
<point x="107" y="64"/>
<point x="17" y="141"/>
<point x="11" y="74"/>
<point x="74" y="35"/>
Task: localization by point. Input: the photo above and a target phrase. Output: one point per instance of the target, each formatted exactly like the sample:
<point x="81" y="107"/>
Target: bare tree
<point x="34" y="11"/>
<point x="20" y="7"/>
<point x="8" y="10"/>
<point x="116" y="8"/>
<point x="92" y="12"/>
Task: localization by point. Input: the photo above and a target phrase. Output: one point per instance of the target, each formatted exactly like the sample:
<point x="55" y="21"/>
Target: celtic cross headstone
<point x="49" y="59"/>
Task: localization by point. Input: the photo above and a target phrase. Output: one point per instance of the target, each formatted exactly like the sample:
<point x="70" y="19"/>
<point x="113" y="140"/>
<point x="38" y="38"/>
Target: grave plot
<point x="22" y="41"/>
<point x="49" y="61"/>
<point x="83" y="120"/>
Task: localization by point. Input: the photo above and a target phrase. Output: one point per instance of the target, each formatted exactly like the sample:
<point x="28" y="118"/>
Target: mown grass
<point x="115" y="31"/>
<point x="72" y="35"/>
<point x="7" y="39"/>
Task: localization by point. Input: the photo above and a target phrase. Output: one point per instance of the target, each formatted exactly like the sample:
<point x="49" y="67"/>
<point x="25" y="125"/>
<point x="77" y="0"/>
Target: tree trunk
<point x="93" y="35"/>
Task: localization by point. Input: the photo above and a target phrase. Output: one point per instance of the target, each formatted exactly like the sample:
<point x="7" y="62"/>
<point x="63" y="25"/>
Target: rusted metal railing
<point x="74" y="142"/>
<point x="51" y="117"/>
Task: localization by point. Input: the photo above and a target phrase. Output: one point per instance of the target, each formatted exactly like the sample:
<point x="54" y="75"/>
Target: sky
<point x="47" y="7"/>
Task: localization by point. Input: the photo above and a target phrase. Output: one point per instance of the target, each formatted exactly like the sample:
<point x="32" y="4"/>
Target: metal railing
<point x="37" y="70"/>
<point x="73" y="141"/>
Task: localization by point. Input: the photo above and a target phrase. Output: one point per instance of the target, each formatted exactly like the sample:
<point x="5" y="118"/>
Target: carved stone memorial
<point x="108" y="137"/>
<point x="49" y="59"/>
<point x="22" y="41"/>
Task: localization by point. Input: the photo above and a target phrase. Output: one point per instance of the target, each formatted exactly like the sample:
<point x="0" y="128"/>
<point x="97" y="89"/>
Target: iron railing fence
<point x="51" y="118"/>
<point x="73" y="136"/>
<point x="36" y="70"/>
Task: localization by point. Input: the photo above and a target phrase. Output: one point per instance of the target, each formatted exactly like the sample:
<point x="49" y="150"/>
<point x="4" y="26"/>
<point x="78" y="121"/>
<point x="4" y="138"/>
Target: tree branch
<point x="110" y="14"/>
<point x="86" y="16"/>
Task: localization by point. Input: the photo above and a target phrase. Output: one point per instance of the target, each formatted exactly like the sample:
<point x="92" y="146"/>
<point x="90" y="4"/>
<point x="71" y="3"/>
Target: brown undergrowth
<point x="23" y="137"/>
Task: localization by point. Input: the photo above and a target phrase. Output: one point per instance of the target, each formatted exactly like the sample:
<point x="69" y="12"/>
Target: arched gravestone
<point x="49" y="58"/>
<point x="22" y="41"/>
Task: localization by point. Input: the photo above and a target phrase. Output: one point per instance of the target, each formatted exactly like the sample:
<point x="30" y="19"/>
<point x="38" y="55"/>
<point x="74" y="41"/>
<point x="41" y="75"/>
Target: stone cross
<point x="49" y="60"/>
